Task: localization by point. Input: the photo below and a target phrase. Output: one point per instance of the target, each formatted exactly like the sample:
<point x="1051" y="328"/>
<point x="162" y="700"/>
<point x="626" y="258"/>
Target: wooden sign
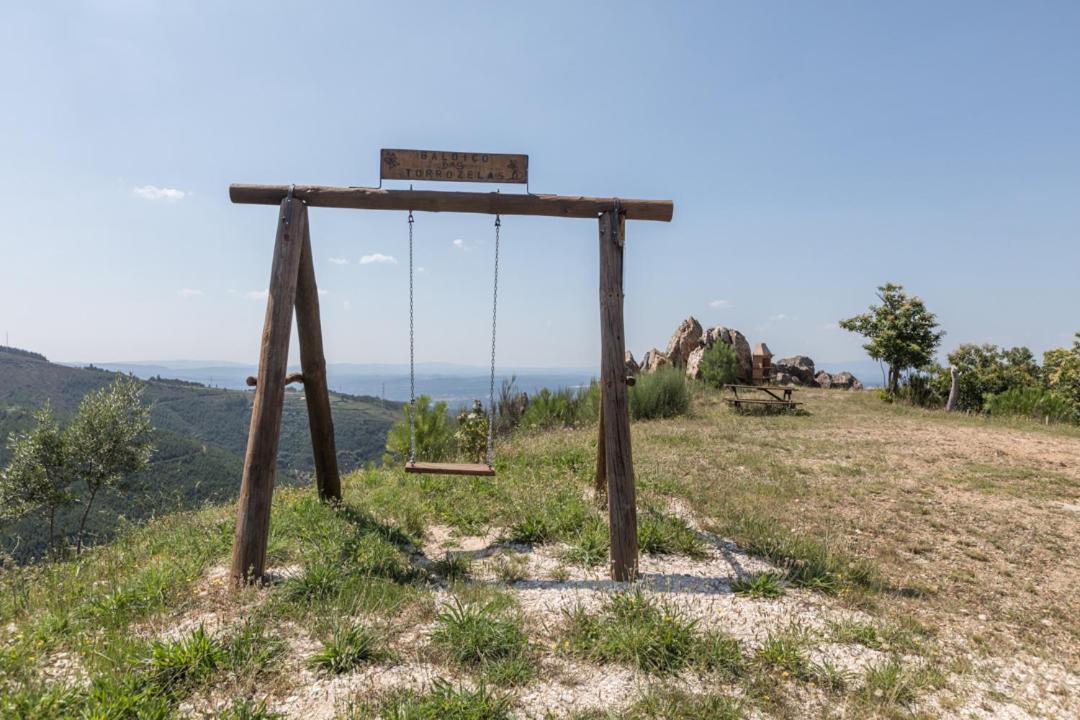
<point x="453" y="166"/>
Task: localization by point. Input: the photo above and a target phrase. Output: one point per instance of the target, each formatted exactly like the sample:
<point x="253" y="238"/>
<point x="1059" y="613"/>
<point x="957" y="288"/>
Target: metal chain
<point x="412" y="353"/>
<point x="491" y="388"/>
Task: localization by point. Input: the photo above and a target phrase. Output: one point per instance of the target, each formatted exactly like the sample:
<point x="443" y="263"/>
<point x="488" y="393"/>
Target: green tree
<point x="39" y="472"/>
<point x="434" y="436"/>
<point x="109" y="440"/>
<point x="901" y="332"/>
<point x="1061" y="371"/>
<point x="719" y="365"/>
<point x="987" y="370"/>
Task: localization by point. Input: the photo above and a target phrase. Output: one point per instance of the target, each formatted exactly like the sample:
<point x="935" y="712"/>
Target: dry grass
<point x="918" y="564"/>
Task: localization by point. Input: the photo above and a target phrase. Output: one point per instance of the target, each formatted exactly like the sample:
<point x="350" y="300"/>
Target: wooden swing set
<point x="292" y="285"/>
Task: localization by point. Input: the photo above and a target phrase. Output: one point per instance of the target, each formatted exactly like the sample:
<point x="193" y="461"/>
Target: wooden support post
<point x="619" y="463"/>
<point x="260" y="461"/>
<point x="600" y="484"/>
<point x="313" y="364"/>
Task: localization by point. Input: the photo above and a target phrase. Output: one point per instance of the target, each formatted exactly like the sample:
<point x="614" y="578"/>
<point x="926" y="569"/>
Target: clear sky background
<point x="813" y="151"/>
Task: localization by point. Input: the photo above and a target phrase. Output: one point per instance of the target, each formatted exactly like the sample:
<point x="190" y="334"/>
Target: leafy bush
<point x="1061" y="372"/>
<point x="434" y="435"/>
<point x="719" y="365"/>
<point x="986" y="370"/>
<point x="471" y="434"/>
<point x="510" y="406"/>
<point x="565" y="407"/>
<point x="661" y="394"/>
<point x="1034" y="402"/>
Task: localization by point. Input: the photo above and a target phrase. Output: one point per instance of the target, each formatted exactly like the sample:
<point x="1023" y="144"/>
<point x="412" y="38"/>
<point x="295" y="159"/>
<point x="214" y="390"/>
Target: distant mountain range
<point x="456" y="384"/>
<point x="201" y="435"/>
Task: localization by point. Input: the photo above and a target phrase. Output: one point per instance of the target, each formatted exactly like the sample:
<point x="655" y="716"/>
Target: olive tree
<point x="901" y="332"/>
<point x="39" y="473"/>
<point x="109" y="439"/>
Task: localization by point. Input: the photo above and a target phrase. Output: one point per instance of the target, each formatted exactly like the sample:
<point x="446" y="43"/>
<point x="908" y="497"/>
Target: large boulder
<point x="693" y="363"/>
<point x="783" y="378"/>
<point x="653" y="361"/>
<point x="845" y="381"/>
<point x="745" y="358"/>
<point x="800" y="368"/>
<point x="728" y="336"/>
<point x="683" y="341"/>
<point x="838" y="381"/>
<point x="632" y="368"/>
<point x="719" y="332"/>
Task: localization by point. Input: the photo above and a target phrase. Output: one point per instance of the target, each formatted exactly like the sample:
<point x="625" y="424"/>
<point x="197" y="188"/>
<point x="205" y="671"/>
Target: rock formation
<point x="653" y="361"/>
<point x="838" y="381"/>
<point x="683" y="341"/>
<point x="799" y="368"/>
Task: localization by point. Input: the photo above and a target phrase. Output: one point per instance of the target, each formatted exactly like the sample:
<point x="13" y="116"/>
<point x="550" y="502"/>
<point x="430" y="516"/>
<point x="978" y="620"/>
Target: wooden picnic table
<point x="770" y="390"/>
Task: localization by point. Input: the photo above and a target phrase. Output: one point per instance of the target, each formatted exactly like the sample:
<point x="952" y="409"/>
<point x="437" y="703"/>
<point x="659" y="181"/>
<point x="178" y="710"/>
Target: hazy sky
<point x="813" y="151"/>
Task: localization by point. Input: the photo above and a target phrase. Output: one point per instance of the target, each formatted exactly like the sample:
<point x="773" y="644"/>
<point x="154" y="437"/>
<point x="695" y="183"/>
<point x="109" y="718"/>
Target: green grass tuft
<point x="483" y="636"/>
<point x="454" y="566"/>
<point x="348" y="648"/>
<point x="636" y="630"/>
<point x="759" y="585"/>
<point x="442" y="702"/>
<point x="187" y="662"/>
<point x="661" y="533"/>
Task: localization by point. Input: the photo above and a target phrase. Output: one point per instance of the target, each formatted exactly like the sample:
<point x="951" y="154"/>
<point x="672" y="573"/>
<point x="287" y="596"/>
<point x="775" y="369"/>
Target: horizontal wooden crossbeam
<point x="446" y="201"/>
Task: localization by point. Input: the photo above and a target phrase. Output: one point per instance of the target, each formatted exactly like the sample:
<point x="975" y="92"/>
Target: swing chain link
<point x="412" y="353"/>
<point x="494" y="310"/>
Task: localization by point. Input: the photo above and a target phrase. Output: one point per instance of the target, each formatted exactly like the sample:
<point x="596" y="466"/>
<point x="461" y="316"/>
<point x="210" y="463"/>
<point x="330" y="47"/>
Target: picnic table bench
<point x="771" y="390"/>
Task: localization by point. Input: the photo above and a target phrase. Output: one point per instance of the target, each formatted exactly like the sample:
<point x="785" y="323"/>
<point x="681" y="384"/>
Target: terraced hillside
<point x="201" y="437"/>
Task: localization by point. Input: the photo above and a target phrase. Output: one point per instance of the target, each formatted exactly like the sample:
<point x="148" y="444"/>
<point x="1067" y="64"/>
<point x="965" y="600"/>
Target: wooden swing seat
<point x="474" y="469"/>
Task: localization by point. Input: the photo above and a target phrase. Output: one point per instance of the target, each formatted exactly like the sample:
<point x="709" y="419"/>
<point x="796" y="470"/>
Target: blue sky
<point x="813" y="151"/>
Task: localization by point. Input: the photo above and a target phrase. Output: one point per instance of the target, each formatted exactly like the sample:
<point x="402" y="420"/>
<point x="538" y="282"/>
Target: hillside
<point x="201" y="437"/>
<point x="858" y="560"/>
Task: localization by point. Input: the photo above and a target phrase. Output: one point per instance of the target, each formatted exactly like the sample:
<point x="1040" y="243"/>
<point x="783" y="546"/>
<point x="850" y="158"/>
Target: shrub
<point x="986" y="370"/>
<point x="1034" y="402"/>
<point x="434" y="435"/>
<point x="471" y="434"/>
<point x="1061" y="372"/>
<point x="719" y="365"/>
<point x="565" y="407"/>
<point x="661" y="394"/>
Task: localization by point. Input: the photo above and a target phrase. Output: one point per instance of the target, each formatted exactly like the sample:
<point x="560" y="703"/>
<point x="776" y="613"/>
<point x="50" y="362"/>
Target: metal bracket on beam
<point x="615" y="236"/>
<point x="288" y="204"/>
